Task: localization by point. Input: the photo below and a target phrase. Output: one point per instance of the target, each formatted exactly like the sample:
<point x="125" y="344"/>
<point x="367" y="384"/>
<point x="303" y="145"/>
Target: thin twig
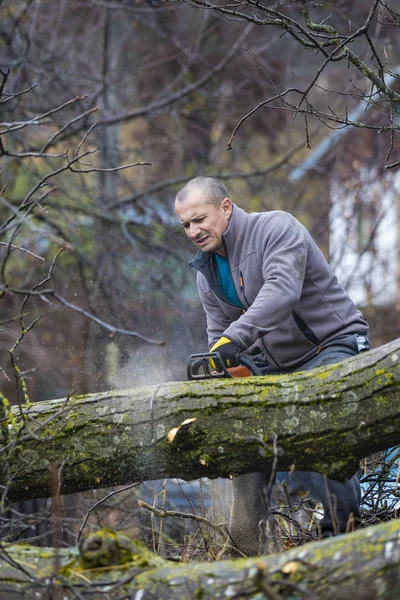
<point x="163" y="514"/>
<point x="128" y="487"/>
<point x="103" y="324"/>
<point x="94" y="169"/>
<point x="23" y="250"/>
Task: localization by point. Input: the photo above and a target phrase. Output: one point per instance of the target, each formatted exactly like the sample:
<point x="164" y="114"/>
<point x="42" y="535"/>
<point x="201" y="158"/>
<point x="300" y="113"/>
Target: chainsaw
<point x="199" y="367"/>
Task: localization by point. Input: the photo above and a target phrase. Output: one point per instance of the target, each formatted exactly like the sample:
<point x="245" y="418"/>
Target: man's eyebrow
<point x="195" y="218"/>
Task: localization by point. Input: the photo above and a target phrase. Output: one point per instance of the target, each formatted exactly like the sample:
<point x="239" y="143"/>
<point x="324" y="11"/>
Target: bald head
<point x="209" y="188"/>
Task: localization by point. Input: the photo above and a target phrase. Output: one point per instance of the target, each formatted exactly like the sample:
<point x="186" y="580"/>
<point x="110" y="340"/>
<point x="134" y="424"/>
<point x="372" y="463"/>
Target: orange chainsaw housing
<point x="240" y="371"/>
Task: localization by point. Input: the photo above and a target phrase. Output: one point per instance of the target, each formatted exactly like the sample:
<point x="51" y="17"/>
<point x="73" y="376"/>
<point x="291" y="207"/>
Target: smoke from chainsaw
<point x="151" y="365"/>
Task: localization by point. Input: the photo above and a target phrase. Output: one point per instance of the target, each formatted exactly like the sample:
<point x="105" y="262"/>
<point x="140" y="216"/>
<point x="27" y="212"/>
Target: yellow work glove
<point x="228" y="350"/>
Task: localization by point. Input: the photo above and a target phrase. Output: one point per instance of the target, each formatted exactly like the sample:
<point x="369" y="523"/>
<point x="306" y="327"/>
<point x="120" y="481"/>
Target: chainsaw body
<point x="199" y="367"/>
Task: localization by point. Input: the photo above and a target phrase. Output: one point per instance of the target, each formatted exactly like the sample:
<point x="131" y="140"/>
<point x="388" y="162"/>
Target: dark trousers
<point x="340" y="500"/>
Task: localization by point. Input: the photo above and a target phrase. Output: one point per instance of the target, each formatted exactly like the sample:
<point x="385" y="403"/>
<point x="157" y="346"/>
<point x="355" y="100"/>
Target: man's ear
<point x="226" y="206"/>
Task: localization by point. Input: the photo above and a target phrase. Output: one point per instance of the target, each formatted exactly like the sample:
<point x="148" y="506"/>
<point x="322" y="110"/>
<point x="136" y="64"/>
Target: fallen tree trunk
<point x="325" y="420"/>
<point x="357" y="566"/>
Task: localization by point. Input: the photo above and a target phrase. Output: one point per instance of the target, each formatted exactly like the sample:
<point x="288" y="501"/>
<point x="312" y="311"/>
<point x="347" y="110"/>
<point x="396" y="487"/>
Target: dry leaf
<point x="172" y="432"/>
<point x="290" y="568"/>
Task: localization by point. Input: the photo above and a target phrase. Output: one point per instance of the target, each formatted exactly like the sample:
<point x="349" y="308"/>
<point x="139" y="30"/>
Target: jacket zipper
<point x="225" y="299"/>
<point x="241" y="286"/>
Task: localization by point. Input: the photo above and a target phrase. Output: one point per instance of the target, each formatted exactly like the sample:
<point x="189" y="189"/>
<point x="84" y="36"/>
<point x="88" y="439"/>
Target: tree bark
<point x="364" y="565"/>
<point x="324" y="420"/>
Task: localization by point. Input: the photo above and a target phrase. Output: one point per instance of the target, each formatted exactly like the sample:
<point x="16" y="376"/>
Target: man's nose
<point x="194" y="230"/>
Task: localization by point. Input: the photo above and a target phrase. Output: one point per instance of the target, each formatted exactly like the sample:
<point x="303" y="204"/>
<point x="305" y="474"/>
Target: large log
<point x="324" y="420"/>
<point x="364" y="565"/>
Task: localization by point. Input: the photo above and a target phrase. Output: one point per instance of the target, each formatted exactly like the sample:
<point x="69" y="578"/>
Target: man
<point x="268" y="292"/>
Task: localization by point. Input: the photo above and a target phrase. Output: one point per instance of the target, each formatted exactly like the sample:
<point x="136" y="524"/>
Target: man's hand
<point x="228" y="350"/>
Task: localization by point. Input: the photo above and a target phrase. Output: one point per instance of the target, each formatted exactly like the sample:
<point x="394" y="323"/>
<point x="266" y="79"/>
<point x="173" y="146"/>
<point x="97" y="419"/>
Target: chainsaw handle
<point x="250" y="364"/>
<point x="199" y="366"/>
<point x="202" y="361"/>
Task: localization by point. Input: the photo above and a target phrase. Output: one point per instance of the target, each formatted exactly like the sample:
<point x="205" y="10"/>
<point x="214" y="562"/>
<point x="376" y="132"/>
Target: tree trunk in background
<point x="357" y="566"/>
<point x="107" y="238"/>
<point x="324" y="420"/>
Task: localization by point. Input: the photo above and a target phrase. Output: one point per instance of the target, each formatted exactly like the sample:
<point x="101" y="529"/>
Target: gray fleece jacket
<point x="293" y="303"/>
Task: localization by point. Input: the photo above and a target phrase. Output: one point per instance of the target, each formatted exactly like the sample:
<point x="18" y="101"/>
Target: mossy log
<point x="324" y="420"/>
<point x="358" y="566"/>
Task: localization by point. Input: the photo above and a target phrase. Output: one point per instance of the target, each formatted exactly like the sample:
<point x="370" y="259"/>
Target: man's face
<point x="204" y="222"/>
